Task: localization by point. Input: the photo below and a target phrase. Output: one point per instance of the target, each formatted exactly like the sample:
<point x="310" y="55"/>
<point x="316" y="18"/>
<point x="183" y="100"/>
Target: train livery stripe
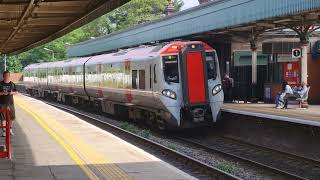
<point x="195" y="74"/>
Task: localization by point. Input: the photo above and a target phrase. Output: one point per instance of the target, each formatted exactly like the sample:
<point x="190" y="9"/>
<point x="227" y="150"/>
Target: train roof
<point x="139" y="53"/>
<point x="69" y="62"/>
<point x="132" y="54"/>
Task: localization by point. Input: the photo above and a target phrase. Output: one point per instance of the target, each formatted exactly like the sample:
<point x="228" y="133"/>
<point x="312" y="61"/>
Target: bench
<point x="302" y="99"/>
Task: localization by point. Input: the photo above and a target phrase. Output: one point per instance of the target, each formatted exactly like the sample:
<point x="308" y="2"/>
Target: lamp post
<point x="50" y="51"/>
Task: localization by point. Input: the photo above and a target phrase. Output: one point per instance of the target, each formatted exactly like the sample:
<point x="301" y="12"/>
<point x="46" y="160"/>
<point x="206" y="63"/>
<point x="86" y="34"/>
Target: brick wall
<point x="313" y="79"/>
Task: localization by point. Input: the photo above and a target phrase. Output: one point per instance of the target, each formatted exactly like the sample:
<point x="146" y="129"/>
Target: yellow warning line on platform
<point x="105" y="167"/>
<point x="69" y="150"/>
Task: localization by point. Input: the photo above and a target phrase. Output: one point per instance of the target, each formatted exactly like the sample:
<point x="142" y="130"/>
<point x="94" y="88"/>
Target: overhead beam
<point x="101" y="10"/>
<point x="49" y="21"/>
<point x="59" y="10"/>
<point x="26" y="13"/>
<point x="12" y="8"/>
<point x="65" y="3"/>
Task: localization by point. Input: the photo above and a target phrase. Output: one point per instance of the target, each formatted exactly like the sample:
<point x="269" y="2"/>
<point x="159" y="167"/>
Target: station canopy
<point x="221" y="19"/>
<point x="25" y="24"/>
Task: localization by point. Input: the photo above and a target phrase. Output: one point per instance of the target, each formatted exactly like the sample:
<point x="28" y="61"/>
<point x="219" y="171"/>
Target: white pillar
<point x="5" y="62"/>
<point x="228" y="67"/>
<point x="254" y="65"/>
<point x="304" y="63"/>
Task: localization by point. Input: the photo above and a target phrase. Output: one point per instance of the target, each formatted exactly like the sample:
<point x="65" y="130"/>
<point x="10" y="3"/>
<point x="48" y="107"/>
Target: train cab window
<point x="211" y="65"/>
<point x="170" y="68"/>
<point x="134" y="79"/>
<point x="142" y="79"/>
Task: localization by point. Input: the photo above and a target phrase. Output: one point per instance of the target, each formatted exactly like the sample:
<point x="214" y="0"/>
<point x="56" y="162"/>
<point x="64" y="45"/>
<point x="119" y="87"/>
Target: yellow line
<point x="103" y="165"/>
<point x="69" y="150"/>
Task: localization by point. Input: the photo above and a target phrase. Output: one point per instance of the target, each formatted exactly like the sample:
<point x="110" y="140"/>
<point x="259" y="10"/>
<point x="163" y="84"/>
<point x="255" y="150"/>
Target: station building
<point x="235" y="30"/>
<point x="275" y="64"/>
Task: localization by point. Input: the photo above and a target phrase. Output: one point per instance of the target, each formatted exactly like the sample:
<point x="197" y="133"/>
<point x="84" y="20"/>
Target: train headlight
<point x="216" y="89"/>
<point x="169" y="93"/>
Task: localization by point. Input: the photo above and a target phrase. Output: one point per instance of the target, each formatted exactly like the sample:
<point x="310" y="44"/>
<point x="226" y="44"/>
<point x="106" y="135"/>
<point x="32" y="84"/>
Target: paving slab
<point x="52" y="144"/>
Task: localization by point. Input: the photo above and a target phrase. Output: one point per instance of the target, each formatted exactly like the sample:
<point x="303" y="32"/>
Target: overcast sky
<point x="189" y="4"/>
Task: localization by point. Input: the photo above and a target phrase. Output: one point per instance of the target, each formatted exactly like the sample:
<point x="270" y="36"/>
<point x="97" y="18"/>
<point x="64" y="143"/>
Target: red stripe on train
<point x="195" y="74"/>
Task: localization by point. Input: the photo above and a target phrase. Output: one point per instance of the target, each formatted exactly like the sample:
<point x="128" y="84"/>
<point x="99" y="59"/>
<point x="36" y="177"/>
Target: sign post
<point x="296" y="53"/>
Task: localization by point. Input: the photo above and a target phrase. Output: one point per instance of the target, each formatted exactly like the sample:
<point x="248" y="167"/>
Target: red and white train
<point x="171" y="85"/>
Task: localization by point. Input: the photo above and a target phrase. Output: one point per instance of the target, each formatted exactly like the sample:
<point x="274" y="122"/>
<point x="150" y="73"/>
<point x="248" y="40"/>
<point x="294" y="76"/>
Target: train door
<point x="194" y="76"/>
<point x="155" y="67"/>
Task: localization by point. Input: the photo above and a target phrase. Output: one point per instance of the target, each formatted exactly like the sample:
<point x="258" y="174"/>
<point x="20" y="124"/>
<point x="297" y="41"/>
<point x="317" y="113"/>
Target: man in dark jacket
<point x="227" y="88"/>
<point x="7" y="90"/>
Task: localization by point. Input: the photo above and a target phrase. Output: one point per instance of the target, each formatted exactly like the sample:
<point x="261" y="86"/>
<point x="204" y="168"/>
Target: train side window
<point x="154" y="74"/>
<point x="142" y="79"/>
<point x="134" y="79"/>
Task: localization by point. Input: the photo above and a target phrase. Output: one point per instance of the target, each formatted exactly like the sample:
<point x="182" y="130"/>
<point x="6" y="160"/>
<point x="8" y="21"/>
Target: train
<point x="169" y="85"/>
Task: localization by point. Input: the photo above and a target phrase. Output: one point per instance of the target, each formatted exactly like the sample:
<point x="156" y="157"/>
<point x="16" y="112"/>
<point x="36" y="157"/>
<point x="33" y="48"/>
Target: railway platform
<point x="309" y="116"/>
<point x="52" y="144"/>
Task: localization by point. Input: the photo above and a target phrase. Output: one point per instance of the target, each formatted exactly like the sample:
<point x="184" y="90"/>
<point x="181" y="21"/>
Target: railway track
<point x="290" y="165"/>
<point x="188" y="164"/>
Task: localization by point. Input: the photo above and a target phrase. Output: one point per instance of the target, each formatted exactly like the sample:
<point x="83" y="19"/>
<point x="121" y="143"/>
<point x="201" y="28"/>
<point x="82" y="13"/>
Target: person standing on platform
<point x="7" y="90"/>
<point x="227" y="88"/>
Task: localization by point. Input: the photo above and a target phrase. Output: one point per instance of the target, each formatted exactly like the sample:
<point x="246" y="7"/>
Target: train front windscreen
<point x="171" y="69"/>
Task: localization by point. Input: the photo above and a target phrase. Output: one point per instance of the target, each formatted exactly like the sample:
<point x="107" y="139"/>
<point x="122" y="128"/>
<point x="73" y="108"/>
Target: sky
<point x="189" y="4"/>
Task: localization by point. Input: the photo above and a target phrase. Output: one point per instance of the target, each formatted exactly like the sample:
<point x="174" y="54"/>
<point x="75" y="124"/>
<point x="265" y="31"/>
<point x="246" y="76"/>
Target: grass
<point x="227" y="167"/>
<point x="170" y="146"/>
<point x="134" y="129"/>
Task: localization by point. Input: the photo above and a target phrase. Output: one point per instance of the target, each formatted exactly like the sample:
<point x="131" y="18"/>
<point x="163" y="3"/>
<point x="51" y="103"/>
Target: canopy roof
<point x="25" y="24"/>
<point x="235" y="17"/>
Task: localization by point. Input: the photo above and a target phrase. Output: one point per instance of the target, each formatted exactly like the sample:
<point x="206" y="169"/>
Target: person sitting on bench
<point x="283" y="96"/>
<point x="301" y="90"/>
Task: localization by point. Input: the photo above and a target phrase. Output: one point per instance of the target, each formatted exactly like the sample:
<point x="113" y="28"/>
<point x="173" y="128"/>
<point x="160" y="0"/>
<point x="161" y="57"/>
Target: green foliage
<point x="227" y="167"/>
<point x="135" y="130"/>
<point x="131" y="14"/>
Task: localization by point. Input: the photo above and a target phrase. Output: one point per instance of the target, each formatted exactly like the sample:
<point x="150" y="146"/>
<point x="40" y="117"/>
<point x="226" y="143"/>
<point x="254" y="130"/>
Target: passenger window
<point x="170" y="68"/>
<point x="134" y="79"/>
<point x="211" y="65"/>
<point x="142" y="79"/>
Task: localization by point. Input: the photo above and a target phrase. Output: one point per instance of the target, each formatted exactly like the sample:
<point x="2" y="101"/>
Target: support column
<point x="254" y="72"/>
<point x="304" y="62"/>
<point x="304" y="32"/>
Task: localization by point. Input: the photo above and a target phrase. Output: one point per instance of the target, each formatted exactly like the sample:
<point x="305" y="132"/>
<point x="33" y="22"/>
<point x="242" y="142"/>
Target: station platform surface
<point x="309" y="116"/>
<point x="52" y="144"/>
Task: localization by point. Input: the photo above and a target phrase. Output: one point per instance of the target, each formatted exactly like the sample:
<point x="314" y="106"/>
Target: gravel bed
<point x="240" y="169"/>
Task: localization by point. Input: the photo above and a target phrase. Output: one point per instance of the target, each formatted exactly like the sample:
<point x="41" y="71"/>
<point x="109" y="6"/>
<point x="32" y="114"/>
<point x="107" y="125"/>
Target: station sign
<point x="296" y="53"/>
